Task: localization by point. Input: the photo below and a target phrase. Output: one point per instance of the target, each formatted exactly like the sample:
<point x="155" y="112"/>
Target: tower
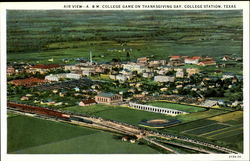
<point x="90" y="57"/>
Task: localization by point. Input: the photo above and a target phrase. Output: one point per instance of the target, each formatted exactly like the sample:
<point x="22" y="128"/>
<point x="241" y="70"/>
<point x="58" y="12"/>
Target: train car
<point x="39" y="110"/>
<point x="74" y="118"/>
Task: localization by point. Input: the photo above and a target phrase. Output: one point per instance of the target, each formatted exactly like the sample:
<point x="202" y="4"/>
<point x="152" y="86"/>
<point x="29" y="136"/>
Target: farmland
<point x="180" y="107"/>
<point x="47" y="137"/>
<point x="39" y="36"/>
<point x="224" y="129"/>
<point x="206" y="129"/>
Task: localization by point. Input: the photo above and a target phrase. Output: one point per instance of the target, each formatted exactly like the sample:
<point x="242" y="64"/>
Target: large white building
<point x="160" y="78"/>
<point x="57" y="77"/>
<point x="135" y="67"/>
<point x="193" y="60"/>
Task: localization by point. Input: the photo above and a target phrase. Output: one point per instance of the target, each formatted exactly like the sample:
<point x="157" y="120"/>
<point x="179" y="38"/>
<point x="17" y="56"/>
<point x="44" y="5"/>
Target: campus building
<point x="57" y="77"/>
<point x="108" y="98"/>
<point x="87" y="102"/>
<point x="160" y="78"/>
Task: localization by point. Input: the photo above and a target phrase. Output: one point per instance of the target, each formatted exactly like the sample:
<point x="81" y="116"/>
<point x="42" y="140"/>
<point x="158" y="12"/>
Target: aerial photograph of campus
<point x="124" y="82"/>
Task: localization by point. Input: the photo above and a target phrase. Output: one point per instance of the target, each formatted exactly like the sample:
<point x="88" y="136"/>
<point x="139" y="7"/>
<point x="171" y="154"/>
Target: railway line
<point x="116" y="127"/>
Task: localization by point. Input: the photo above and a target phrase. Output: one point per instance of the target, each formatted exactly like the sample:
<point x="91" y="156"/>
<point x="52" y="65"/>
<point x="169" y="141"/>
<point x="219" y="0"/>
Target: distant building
<point x="87" y="102"/>
<point x="108" y="98"/>
<point x="24" y="98"/>
<point x="206" y="63"/>
<point x="172" y="58"/>
<point x="227" y="76"/>
<point x="28" y="82"/>
<point x="84" y="69"/>
<point x="88" y="71"/>
<point x="10" y="70"/>
<point x="121" y="77"/>
<point x="164" y="78"/>
<point x="180" y="74"/>
<point x="192" y="60"/>
<point x="226" y="58"/>
<point x="148" y="74"/>
<point x="42" y="68"/>
<point x="192" y="71"/>
<point x="135" y="67"/>
<point x="57" y="77"/>
<point x="209" y="103"/>
<point x="156" y="63"/>
<point x="142" y="60"/>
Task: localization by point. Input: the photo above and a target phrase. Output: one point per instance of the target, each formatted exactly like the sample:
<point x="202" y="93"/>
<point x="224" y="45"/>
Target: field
<point x="42" y="35"/>
<point x="117" y="113"/>
<point x="27" y="135"/>
<point x="206" y="129"/>
<point x="225" y="129"/>
<point x="180" y="107"/>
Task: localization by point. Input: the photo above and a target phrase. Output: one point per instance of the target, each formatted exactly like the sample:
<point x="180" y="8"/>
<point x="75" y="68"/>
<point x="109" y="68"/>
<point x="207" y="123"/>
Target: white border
<point x="117" y="157"/>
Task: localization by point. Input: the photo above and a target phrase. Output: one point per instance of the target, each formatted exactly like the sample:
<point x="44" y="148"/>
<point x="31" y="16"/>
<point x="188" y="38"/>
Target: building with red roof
<point x="172" y="58"/>
<point x="206" y="63"/>
<point x="192" y="60"/>
<point x="28" y="82"/>
<point x="87" y="102"/>
<point x="42" y="68"/>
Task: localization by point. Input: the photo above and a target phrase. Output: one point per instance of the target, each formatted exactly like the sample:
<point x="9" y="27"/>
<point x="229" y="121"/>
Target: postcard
<point x="125" y="81"/>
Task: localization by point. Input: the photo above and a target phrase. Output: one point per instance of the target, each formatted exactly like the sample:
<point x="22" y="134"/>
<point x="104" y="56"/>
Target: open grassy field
<point x="99" y="143"/>
<point x="25" y="132"/>
<point x="180" y="107"/>
<point x="27" y="135"/>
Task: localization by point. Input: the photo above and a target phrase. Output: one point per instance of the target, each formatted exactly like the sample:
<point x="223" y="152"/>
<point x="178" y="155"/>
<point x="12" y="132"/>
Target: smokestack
<point x="90" y="57"/>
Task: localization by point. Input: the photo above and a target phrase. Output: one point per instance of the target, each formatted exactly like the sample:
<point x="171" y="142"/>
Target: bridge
<point x="155" y="109"/>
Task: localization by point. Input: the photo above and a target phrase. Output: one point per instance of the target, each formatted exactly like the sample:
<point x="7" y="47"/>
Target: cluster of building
<point x="197" y="60"/>
<point x="157" y="70"/>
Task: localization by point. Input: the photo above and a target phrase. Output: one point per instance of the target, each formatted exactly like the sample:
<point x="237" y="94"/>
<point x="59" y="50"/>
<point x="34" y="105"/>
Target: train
<point x="46" y="112"/>
<point x="75" y="118"/>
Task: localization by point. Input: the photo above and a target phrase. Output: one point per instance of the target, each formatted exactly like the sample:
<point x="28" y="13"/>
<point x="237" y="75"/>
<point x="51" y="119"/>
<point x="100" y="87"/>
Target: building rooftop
<point x="109" y="94"/>
<point x="89" y="101"/>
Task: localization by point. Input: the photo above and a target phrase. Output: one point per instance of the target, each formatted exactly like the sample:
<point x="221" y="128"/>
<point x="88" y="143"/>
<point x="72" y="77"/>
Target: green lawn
<point x="27" y="135"/>
<point x="180" y="107"/>
<point x="98" y="143"/>
<point x="25" y="132"/>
